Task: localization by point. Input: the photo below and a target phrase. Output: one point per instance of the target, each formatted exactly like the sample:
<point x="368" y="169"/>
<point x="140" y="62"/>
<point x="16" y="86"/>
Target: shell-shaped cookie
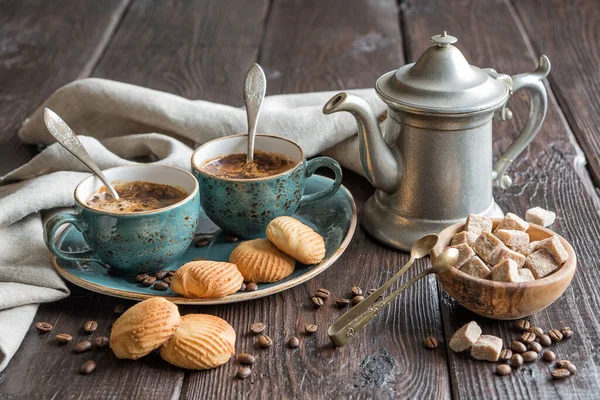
<point x="260" y="261"/>
<point x="207" y="279"/>
<point x="296" y="239"/>
<point x="201" y="342"/>
<point x="144" y="327"/>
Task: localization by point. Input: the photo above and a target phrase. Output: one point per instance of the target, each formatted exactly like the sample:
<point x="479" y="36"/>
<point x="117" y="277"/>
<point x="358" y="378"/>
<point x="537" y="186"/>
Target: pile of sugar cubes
<point x="507" y="255"/>
<point x="483" y="347"/>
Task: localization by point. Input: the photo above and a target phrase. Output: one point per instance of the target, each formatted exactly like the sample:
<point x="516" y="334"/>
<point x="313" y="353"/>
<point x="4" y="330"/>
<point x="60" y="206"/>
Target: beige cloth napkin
<point x="121" y="122"/>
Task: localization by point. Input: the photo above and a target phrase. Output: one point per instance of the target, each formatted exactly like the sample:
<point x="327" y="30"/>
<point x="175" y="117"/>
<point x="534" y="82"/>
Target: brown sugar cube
<point x="464" y="254"/>
<point x="556" y="249"/>
<point x="478" y="224"/>
<point x="487" y="348"/>
<point x="539" y="216"/>
<point x="487" y="247"/>
<point x="530" y="248"/>
<point x="525" y="275"/>
<point x="540" y="263"/>
<point x="508" y="254"/>
<point x="465" y="337"/>
<point x="476" y="267"/>
<point x="506" y="271"/>
<point x="464" y="237"/>
<point x="512" y="238"/>
<point x="513" y="222"/>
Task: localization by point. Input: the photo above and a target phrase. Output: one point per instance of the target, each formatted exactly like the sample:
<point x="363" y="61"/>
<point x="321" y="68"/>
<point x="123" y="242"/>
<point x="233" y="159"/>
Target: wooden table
<point x="201" y="49"/>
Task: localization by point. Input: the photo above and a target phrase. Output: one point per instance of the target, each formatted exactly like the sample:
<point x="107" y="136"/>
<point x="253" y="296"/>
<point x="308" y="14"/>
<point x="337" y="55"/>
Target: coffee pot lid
<point x="442" y="81"/>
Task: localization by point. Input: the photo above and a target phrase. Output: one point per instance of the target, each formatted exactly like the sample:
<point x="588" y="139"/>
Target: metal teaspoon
<point x="255" y="87"/>
<point x="67" y="138"/>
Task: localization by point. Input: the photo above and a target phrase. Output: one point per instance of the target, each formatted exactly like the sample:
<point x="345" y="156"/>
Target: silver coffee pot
<point x="432" y="166"/>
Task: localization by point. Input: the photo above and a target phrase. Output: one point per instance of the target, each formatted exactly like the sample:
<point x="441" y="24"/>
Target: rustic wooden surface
<point x="201" y="49"/>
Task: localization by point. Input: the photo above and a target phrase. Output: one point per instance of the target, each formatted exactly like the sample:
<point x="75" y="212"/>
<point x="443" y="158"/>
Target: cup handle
<point x="50" y="235"/>
<point x="311" y="167"/>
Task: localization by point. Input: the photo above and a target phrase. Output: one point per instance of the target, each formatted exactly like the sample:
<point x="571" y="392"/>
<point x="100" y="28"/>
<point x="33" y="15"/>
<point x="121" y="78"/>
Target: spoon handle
<point x="67" y="138"/>
<point x="255" y="87"/>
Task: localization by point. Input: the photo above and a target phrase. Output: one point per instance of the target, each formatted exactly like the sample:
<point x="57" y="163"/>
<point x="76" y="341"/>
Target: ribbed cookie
<point x="260" y="261"/>
<point x="144" y="327"/>
<point x="296" y="239"/>
<point x="201" y="342"/>
<point x="207" y="279"/>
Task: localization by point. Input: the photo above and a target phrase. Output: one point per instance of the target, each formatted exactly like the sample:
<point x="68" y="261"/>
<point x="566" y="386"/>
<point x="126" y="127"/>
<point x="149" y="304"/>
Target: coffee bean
<point x="231" y="238"/>
<point x="88" y="367"/>
<point x="357" y="299"/>
<point x="120" y="309"/>
<point x="517" y="361"/>
<point x="322" y="293"/>
<point x="83" y="346"/>
<point x="309" y="329"/>
<point x="245" y="358"/>
<point x="341" y="302"/>
<point x="63" y="338"/>
<point x="243" y="372"/>
<point x="545" y="340"/>
<point x="243" y="287"/>
<point x="171" y="272"/>
<point x="527" y="337"/>
<point x="562" y="363"/>
<point x="518" y="347"/>
<point x="530" y="356"/>
<point x="371" y="291"/>
<point x="101" y="341"/>
<point x="90" y="326"/>
<point x="523" y="324"/>
<point x="140" y="278"/>
<point x="549" y="356"/>
<point x="293" y="343"/>
<point x="149" y="281"/>
<point x="568" y="365"/>
<point x="560" y="373"/>
<point x="161" y="286"/>
<point x="356" y="291"/>
<point x="43" y="327"/>
<point x="257" y="327"/>
<point x="566" y="332"/>
<point x="503" y="369"/>
<point x="162" y="274"/>
<point x="202" y="242"/>
<point x="430" y="342"/>
<point x="168" y="280"/>
<point x="555" y="335"/>
<point x="506" y="354"/>
<point x="251" y="287"/>
<point x="265" y="341"/>
<point x="317" y="301"/>
<point x="534" y="329"/>
<point x="535" y="346"/>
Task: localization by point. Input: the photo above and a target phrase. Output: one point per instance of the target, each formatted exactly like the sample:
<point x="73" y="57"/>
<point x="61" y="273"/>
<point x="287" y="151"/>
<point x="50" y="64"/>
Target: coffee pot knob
<point x="443" y="40"/>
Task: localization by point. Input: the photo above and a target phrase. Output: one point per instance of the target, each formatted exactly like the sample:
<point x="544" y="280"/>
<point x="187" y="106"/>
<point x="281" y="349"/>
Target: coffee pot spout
<point x="379" y="163"/>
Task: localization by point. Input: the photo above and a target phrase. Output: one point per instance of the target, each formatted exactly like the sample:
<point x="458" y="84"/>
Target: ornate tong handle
<point x="537" y="112"/>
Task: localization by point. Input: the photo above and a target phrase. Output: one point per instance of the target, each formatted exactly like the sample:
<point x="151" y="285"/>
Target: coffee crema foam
<point x="136" y="196"/>
<point x="235" y="166"/>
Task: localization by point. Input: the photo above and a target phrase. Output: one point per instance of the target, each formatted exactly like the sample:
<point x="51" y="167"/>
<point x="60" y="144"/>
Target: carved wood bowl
<point x="505" y="300"/>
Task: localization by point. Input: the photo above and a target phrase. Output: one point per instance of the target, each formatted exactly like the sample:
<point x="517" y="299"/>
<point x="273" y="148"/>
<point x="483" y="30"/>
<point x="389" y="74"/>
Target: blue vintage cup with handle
<point x="244" y="207"/>
<point x="135" y="242"/>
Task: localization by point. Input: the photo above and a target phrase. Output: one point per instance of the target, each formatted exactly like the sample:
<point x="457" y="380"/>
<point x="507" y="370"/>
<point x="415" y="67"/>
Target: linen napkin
<point x="120" y="123"/>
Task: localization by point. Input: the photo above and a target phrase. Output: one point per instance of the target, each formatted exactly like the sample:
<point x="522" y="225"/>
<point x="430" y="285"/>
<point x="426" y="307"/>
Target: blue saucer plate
<point x="334" y="219"/>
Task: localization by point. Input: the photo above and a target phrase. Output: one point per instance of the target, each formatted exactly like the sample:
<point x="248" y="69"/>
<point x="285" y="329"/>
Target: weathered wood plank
<point x="44" y="45"/>
<point x="544" y="175"/>
<point x="569" y="33"/>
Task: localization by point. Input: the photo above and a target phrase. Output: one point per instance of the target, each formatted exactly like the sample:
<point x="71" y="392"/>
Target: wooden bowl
<point x="505" y="300"/>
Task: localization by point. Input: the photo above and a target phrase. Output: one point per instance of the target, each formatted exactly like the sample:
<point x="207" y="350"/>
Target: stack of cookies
<point x="259" y="261"/>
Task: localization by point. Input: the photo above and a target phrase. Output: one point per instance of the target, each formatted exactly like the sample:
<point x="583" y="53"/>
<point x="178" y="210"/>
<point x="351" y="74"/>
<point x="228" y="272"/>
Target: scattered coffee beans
<point x="43" y="327"/>
<point x="141" y="277"/>
<point x="560" y="373"/>
<point x="534" y="329"/>
<point x="555" y="335"/>
<point x="523" y="324"/>
<point x="342" y="302"/>
<point x="530" y="356"/>
<point x="231" y="238"/>
<point x="88" y="367"/>
<point x="317" y="301"/>
<point x="202" y="242"/>
<point x="293" y="343"/>
<point x="371" y="291"/>
<point x="168" y="280"/>
<point x="101" y="341"/>
<point x="82" y="346"/>
<point x="535" y="346"/>
<point x="162" y="274"/>
<point x="430" y="342"/>
<point x="356" y="291"/>
<point x="505" y="355"/>
<point x="149" y="281"/>
<point x="251" y="287"/>
<point x="568" y="365"/>
<point x="322" y="293"/>
<point x="246" y="359"/>
<point x="265" y="341"/>
<point x="527" y="337"/>
<point x="545" y="340"/>
<point x="161" y="286"/>
<point x="517" y="361"/>
<point x="309" y="329"/>
<point x="171" y="272"/>
<point x="503" y="369"/>
<point x="63" y="338"/>
<point x="243" y="372"/>
<point x="243" y="287"/>
<point x="562" y="363"/>
<point x="257" y="327"/>
<point x="120" y="309"/>
<point x="549" y="356"/>
<point x="90" y="326"/>
<point x="566" y="332"/>
<point x="357" y="299"/>
<point x="518" y="347"/>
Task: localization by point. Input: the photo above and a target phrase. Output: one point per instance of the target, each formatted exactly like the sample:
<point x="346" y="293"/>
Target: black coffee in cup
<point x="235" y="166"/>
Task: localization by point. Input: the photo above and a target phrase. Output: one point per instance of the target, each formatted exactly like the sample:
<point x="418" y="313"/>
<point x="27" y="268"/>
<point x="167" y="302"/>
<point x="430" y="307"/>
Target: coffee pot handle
<point x="537" y="111"/>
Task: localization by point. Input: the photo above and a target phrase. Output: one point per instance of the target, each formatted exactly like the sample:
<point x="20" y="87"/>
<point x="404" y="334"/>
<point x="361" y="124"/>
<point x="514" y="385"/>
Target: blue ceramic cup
<point x="244" y="207"/>
<point x="135" y="242"/>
